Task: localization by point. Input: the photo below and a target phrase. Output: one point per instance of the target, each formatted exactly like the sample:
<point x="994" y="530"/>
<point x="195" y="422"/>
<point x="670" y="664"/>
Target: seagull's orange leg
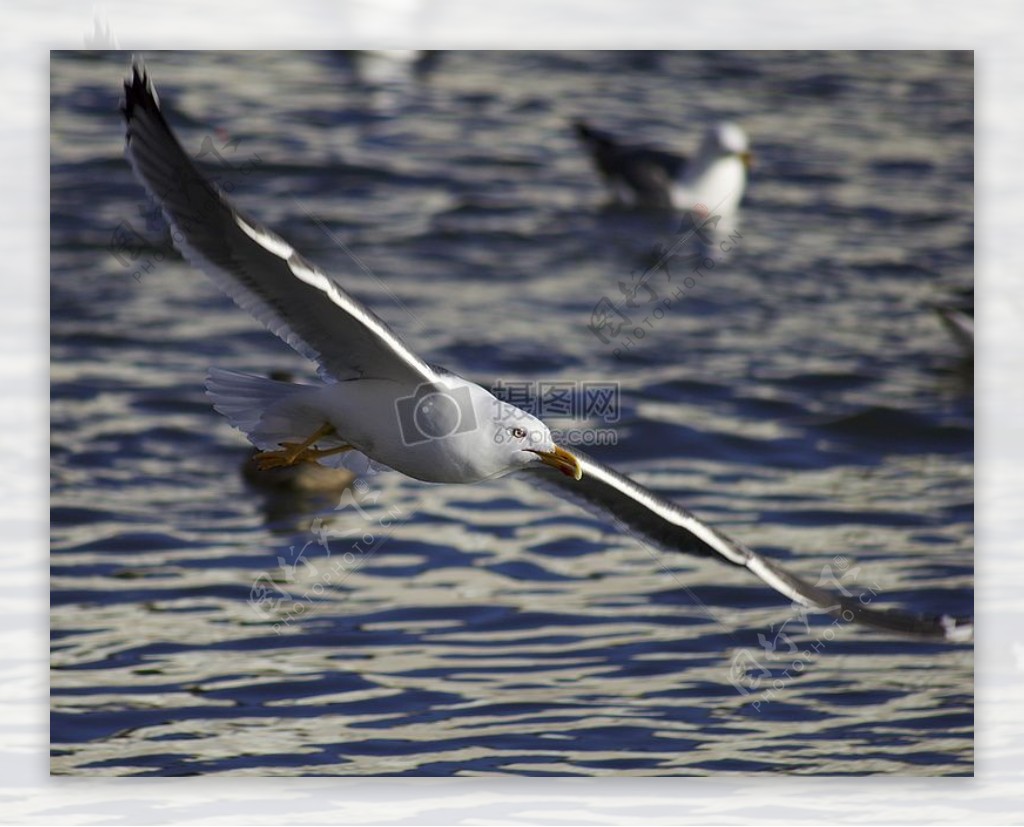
<point x="292" y="453"/>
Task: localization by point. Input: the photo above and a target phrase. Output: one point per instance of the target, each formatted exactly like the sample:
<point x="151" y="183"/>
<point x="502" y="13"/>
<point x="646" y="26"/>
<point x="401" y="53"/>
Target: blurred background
<point x="804" y="396"/>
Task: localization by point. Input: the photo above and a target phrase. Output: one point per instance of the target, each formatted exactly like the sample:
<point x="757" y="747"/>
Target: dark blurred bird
<point x="710" y="183"/>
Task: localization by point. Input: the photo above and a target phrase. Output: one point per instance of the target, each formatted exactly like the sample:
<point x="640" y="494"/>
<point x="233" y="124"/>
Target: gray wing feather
<point x="258" y="269"/>
<point x="649" y="172"/>
<point x="652" y="519"/>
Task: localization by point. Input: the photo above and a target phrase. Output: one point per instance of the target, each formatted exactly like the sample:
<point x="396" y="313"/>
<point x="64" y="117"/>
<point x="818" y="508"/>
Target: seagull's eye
<point x="518" y="433"/>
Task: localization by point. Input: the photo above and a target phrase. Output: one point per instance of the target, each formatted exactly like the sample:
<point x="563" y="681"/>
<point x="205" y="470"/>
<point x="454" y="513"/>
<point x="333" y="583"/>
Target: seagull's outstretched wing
<point x="648" y="172"/>
<point x="643" y="514"/>
<point x="258" y="269"/>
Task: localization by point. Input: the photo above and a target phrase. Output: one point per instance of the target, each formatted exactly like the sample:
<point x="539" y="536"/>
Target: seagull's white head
<point x="507" y="438"/>
<point x="727" y="139"/>
<point x="526" y="440"/>
<point x="463" y="433"/>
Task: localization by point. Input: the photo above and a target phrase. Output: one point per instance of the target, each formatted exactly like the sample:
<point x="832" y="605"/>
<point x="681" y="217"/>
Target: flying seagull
<point x="712" y="182"/>
<point x="379" y="401"/>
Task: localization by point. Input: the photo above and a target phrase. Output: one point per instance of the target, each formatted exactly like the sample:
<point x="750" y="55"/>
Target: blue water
<point x="802" y="396"/>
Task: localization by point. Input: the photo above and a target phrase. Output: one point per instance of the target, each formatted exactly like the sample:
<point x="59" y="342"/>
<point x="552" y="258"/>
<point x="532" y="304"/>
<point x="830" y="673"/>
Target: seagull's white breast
<point x="442" y="432"/>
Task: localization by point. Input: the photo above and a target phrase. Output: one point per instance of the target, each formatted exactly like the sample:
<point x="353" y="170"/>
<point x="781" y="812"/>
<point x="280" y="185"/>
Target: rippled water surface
<point x="802" y="396"/>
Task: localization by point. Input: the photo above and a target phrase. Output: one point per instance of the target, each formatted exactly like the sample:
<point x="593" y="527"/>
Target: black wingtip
<point x="582" y="129"/>
<point x="139" y="93"/>
<point x="595" y="139"/>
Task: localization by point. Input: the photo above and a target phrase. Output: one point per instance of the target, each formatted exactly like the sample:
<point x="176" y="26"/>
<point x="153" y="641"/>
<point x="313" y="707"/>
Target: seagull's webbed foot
<point x="292" y="453"/>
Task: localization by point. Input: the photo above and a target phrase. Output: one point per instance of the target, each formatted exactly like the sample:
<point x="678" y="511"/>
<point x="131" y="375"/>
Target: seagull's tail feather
<point x="269" y="412"/>
<point x="244" y="399"/>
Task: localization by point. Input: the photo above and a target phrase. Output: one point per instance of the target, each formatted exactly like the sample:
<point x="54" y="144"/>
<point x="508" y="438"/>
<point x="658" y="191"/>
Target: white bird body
<point x="431" y="435"/>
<point x="713" y="185"/>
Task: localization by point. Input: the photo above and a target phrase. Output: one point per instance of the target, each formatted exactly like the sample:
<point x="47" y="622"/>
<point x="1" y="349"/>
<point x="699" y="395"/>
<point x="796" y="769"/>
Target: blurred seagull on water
<point x="711" y="183"/>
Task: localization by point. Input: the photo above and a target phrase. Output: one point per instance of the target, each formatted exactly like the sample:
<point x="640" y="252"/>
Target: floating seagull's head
<point x="727" y="140"/>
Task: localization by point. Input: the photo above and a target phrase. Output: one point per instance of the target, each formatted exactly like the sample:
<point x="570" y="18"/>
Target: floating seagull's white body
<point x="381" y="401"/>
<point x="711" y="183"/>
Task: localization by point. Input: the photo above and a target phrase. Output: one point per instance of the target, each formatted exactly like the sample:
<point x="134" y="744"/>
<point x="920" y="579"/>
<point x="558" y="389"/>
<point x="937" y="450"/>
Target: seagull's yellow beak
<point x="747" y="158"/>
<point x="562" y="460"/>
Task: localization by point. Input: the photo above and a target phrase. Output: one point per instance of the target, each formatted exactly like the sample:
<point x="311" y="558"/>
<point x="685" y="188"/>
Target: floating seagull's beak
<point x="747" y="158"/>
<point x="562" y="460"/>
